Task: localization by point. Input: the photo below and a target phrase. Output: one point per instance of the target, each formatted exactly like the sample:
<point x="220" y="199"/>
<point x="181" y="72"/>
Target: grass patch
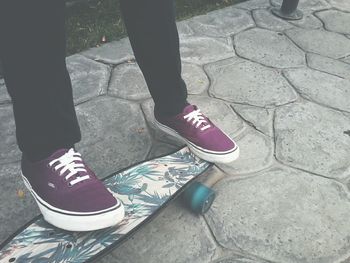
<point x="88" y="23"/>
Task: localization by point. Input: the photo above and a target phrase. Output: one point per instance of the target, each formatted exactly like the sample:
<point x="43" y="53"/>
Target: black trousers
<point x="32" y="51"/>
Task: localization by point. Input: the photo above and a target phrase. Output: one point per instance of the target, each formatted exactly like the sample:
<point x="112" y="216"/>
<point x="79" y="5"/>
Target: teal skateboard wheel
<point x="199" y="197"/>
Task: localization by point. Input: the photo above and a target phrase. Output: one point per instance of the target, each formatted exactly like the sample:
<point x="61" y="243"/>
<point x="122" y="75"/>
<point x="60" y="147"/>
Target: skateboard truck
<point x="288" y="10"/>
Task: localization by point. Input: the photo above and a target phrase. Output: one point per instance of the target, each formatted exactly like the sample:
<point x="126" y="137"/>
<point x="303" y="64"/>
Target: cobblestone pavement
<point x="282" y="89"/>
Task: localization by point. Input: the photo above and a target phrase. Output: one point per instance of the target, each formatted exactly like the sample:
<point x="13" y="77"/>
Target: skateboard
<point x="144" y="189"/>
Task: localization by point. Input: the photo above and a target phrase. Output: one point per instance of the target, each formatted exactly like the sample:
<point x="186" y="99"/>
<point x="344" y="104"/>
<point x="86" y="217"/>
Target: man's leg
<point x="154" y="38"/>
<point x="33" y="57"/>
<point x="68" y="193"/>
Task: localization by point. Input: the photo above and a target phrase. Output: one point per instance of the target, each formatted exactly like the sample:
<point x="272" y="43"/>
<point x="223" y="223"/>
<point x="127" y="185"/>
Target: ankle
<point x="39" y="156"/>
<point x="161" y="112"/>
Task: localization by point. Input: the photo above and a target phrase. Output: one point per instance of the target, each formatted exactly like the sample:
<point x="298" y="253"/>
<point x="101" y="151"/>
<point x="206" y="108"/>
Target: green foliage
<point x="87" y="24"/>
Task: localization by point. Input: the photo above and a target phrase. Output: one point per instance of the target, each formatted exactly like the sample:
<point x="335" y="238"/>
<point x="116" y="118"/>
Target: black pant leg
<point x="33" y="56"/>
<point x="155" y="41"/>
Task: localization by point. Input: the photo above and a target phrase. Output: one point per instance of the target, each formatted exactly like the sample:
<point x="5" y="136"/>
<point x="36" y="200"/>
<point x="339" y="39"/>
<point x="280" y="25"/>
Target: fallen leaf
<point x="20" y="193"/>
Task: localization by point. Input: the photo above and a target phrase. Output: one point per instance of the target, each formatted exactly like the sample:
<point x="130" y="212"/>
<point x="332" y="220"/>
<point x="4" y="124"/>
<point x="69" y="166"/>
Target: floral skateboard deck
<point x="144" y="189"/>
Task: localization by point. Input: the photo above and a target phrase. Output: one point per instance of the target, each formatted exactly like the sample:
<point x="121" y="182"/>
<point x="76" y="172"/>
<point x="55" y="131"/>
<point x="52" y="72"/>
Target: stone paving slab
<point x="9" y="151"/>
<point x="173" y="228"/>
<point x="184" y="29"/>
<point x="269" y="48"/>
<point x="238" y="260"/>
<point x="346" y="59"/>
<point x="115" y="52"/>
<point x="256" y="154"/>
<point x="202" y="50"/>
<point x="89" y="78"/>
<point x="282" y="215"/>
<point x="115" y="134"/>
<point x="222" y="23"/>
<point x="257" y="135"/>
<point x="328" y="65"/>
<point x="253" y="4"/>
<point x="259" y="118"/>
<point x="335" y="21"/>
<point x="264" y="19"/>
<point x="4" y="97"/>
<point x="321" y="42"/>
<point x="241" y="81"/>
<point x="309" y="21"/>
<point x="340" y="4"/>
<point x="15" y="209"/>
<point x="127" y="82"/>
<point x="313" y="138"/>
<point x="195" y="78"/>
<point x="321" y="87"/>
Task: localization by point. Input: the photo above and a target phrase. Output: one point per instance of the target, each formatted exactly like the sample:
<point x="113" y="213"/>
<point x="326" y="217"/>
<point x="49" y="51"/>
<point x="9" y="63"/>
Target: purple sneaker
<point x="202" y="136"/>
<point x="69" y="194"/>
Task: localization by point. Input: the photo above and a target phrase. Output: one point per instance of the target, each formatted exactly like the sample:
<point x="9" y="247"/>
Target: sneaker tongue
<point x="189" y="108"/>
<point x="57" y="154"/>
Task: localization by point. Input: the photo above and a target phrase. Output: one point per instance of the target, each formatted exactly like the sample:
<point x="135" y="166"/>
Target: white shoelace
<point x="68" y="163"/>
<point x="198" y="119"/>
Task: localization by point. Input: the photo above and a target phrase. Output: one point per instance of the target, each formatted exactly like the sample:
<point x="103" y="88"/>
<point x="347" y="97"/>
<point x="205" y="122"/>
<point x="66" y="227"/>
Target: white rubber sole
<point x="210" y="156"/>
<point x="72" y="221"/>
